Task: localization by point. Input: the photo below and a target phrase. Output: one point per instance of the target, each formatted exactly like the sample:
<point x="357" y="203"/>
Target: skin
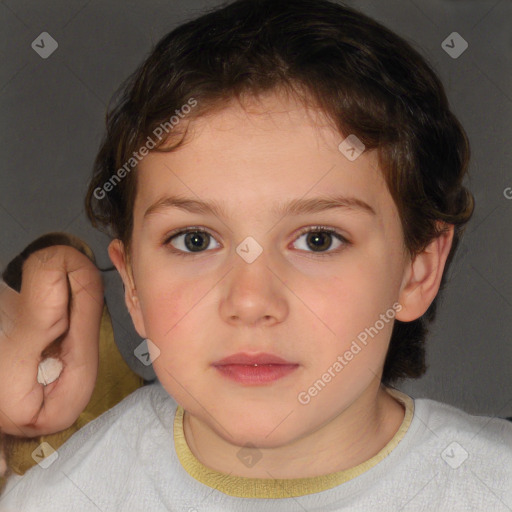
<point x="290" y="301"/>
<point x="30" y="321"/>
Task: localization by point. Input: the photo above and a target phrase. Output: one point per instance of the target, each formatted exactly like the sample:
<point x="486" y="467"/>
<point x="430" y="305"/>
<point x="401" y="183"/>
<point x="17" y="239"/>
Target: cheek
<point x="344" y="316"/>
<point x="352" y="298"/>
<point x="165" y="315"/>
<point x="164" y="306"/>
<point x="174" y="314"/>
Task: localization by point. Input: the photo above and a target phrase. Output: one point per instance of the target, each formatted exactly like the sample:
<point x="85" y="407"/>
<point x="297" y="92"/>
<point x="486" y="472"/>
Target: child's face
<point x="303" y="306"/>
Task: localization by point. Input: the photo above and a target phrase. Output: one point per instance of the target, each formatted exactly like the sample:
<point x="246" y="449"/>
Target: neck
<point x="355" y="435"/>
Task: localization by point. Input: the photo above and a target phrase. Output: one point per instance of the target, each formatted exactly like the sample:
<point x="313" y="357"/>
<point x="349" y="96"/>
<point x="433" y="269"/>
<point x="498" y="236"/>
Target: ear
<point x="121" y="261"/>
<point x="422" y="277"/>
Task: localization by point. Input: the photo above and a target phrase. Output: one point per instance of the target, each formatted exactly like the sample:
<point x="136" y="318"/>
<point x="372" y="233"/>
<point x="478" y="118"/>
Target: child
<point x="283" y="181"/>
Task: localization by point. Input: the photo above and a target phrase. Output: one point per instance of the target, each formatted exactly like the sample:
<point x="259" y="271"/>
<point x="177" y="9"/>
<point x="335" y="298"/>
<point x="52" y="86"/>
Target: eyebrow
<point x="294" y="207"/>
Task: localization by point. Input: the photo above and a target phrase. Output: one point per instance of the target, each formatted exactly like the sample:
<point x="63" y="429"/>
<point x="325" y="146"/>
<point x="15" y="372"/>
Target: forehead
<point x="268" y="150"/>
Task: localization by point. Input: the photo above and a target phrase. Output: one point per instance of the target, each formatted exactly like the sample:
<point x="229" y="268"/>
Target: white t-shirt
<point x="134" y="458"/>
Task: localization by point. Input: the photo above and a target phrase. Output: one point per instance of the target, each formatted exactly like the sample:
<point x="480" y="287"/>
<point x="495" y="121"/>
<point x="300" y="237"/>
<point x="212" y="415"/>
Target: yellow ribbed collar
<point x="245" y="487"/>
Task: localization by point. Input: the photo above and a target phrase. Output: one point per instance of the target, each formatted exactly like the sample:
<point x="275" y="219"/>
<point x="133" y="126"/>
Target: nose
<point x="254" y="294"/>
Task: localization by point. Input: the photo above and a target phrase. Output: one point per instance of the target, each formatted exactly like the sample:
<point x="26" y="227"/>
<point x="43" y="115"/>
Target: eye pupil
<point x="318" y="240"/>
<point x="196" y="241"/>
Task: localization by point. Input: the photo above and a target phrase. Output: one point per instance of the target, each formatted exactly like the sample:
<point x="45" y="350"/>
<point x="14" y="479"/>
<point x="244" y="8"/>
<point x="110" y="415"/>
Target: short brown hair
<point x="366" y="79"/>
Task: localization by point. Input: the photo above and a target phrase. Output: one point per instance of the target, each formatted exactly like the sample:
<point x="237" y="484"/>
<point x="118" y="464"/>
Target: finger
<point x="64" y="399"/>
<point x="45" y="292"/>
<point x="20" y="350"/>
<point x="86" y="284"/>
<point x="73" y="389"/>
<point x="56" y="406"/>
<point x="81" y="344"/>
<point x="85" y="316"/>
<point x="67" y="400"/>
<point x="9" y="308"/>
<point x="80" y="353"/>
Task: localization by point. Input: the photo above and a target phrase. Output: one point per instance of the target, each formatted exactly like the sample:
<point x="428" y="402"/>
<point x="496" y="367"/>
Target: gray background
<point x="52" y="122"/>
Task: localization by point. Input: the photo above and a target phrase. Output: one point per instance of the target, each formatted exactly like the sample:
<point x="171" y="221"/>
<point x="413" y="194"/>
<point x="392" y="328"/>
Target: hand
<point x="57" y="313"/>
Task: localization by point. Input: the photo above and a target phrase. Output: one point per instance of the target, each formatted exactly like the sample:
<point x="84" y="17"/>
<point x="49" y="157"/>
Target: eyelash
<point x="311" y="229"/>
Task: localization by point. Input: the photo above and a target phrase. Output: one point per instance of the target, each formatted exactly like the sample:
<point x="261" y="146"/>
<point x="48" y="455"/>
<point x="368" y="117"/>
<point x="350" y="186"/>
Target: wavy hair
<point x="369" y="81"/>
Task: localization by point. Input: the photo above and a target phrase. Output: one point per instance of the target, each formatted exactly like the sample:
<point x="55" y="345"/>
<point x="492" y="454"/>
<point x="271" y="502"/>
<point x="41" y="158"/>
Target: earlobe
<point x="424" y="275"/>
<point x="119" y="258"/>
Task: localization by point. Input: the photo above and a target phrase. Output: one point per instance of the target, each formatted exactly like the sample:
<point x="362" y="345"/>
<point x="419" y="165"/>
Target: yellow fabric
<point x="115" y="381"/>
<point x="244" y="487"/>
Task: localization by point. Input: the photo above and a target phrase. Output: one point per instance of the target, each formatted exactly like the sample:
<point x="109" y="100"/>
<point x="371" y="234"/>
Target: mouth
<point x="256" y="369"/>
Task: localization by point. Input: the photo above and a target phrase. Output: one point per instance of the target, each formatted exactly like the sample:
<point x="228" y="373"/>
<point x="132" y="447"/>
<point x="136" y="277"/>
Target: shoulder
<point x="484" y="432"/>
<point x="147" y="408"/>
<point x="147" y="405"/>
<point x="467" y="451"/>
<point x="105" y="453"/>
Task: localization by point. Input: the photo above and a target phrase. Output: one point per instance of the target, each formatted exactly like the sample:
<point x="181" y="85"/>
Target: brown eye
<point x="197" y="241"/>
<point x="320" y="240"/>
<point x="190" y="241"/>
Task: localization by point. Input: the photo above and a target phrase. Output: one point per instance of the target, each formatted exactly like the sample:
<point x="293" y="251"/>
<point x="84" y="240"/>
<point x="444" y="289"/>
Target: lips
<point x="252" y="360"/>
<point x="255" y="369"/>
